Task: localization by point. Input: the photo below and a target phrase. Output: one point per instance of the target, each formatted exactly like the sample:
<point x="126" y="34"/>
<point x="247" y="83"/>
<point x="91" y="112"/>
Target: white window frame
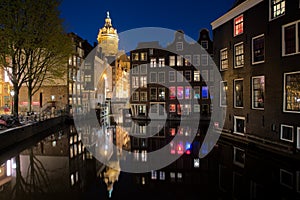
<point x="297" y="38"/>
<point x="252" y="49"/>
<point x="281" y="129"/>
<point x="234" y="25"/>
<point x="189" y="78"/>
<point x="153" y="62"/>
<point x="151" y="76"/>
<point x="235" y="149"/>
<point x="284" y="184"/>
<point x="197" y="76"/>
<point x="172" y="72"/>
<point x="163" y="75"/>
<point x="235" y="125"/>
<point x="234" y="93"/>
<point x="179" y="75"/>
<point x="221" y="66"/>
<point x="285" y="92"/>
<point x="204" y="60"/>
<point x="179" y="60"/>
<point x="196" y="60"/>
<point x="161" y="62"/>
<point x="271" y="13"/>
<point x="133" y="57"/>
<point x="135" y="69"/>
<point x="143" y="69"/>
<point x="145" y="93"/>
<point x="298" y="138"/>
<point x="234" y="59"/>
<point x="179" y="46"/>
<point x="143" y="81"/>
<point x="145" y="58"/>
<point x="173" y="59"/>
<point x="252" y="91"/>
<point x="204" y="75"/>
<point x="187" y="60"/>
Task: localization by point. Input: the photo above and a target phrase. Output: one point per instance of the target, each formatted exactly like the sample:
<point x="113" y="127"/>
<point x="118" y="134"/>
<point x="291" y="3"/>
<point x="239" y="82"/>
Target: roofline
<point x="234" y="12"/>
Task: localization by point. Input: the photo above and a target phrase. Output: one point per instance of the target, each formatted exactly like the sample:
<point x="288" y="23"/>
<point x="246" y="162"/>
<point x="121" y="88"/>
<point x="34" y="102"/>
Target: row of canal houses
<point x="256" y="49"/>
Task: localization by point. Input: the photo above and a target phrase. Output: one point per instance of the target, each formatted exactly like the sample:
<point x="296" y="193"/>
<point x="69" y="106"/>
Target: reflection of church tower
<point x="108" y="38"/>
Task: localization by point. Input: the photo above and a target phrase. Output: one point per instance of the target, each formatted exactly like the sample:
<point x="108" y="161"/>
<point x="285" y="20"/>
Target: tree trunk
<point x="29" y="98"/>
<point x="16" y="101"/>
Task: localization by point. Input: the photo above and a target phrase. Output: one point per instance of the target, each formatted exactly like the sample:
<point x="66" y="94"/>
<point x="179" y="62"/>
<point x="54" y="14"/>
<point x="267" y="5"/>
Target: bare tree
<point x="33" y="44"/>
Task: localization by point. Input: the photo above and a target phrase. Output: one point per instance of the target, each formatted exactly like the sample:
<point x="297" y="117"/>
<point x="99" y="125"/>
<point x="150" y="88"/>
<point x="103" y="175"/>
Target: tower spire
<point x="107" y="15"/>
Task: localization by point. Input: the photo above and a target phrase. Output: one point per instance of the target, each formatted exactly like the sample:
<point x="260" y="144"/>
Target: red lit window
<point x="172" y="108"/>
<point x="238" y="25"/>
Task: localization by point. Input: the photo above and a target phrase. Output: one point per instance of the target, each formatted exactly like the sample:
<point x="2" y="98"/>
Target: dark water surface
<point x="59" y="166"/>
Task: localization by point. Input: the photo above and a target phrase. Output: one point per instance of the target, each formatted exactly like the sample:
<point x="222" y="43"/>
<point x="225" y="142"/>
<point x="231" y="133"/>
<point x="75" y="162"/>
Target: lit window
<point x="172" y="61"/>
<point x="153" y="95"/>
<point x="291" y="38"/>
<point x="238" y="25"/>
<point x="135" y="56"/>
<point x="187" y="92"/>
<point x="239" y="125"/>
<point x="238" y="93"/>
<point x="172" y="91"/>
<point x="197" y="93"/>
<point x="204" y="92"/>
<point x="258" y="49"/>
<point x="153" y="62"/>
<point x="143" y="80"/>
<point x="135" y="81"/>
<point x="161" y="94"/>
<point x="162" y="176"/>
<point x="179" y="60"/>
<point x="135" y="96"/>
<point x="224" y="59"/>
<point x="187" y="60"/>
<point x="196" y="75"/>
<point x="171" y="76"/>
<point x="292" y="92"/>
<point x="143" y="56"/>
<point x="277" y="8"/>
<point x="87" y="78"/>
<point x="239" y="55"/>
<point x="143" y="96"/>
<point x="180" y="92"/>
<point x="153" y="175"/>
<point x="287" y="133"/>
<point x="197" y="108"/>
<point x="179" y="46"/>
<point x="161" y="62"/>
<point x="258" y="92"/>
<point x="172" y="108"/>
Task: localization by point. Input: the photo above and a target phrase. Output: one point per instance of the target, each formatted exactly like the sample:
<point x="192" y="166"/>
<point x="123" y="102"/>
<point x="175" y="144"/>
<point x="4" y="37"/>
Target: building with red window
<point x="166" y="82"/>
<point x="256" y="46"/>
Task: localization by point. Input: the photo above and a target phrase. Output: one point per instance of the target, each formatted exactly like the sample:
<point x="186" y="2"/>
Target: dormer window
<point x="179" y="46"/>
<point x="238" y="25"/>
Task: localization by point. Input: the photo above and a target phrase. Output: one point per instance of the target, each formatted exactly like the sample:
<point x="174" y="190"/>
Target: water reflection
<point x="60" y="167"/>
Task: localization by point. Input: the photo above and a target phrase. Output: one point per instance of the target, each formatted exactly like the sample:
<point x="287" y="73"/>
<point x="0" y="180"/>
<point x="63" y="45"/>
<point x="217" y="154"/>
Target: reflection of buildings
<point x="168" y="81"/>
<point x="231" y="171"/>
<point x="256" y="46"/>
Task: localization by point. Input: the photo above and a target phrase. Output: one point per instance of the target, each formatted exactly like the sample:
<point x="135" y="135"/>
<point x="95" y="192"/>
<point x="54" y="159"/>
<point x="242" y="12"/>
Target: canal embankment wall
<point x="13" y="136"/>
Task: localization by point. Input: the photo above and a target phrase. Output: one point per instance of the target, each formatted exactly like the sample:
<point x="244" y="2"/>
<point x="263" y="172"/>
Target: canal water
<point x="61" y="165"/>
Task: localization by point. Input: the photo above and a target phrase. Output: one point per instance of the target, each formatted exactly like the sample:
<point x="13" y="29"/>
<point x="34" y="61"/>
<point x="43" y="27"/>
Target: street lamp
<point x="12" y="93"/>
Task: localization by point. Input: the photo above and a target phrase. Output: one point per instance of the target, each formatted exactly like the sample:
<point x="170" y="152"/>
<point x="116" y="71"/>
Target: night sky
<point x="86" y="17"/>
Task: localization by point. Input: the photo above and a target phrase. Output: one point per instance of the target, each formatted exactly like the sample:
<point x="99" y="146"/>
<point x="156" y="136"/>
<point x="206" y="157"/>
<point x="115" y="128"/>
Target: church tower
<point x="108" y="38"/>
